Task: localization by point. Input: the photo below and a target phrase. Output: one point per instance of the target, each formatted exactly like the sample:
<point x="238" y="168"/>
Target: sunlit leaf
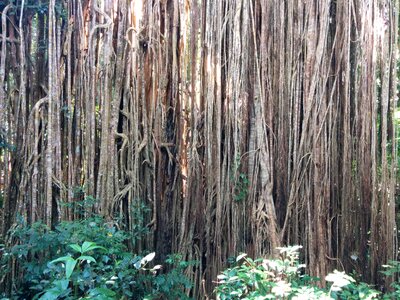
<point x="137" y="264"/>
<point x="241" y="256"/>
<point x="157" y="267"/>
<point x="147" y="258"/>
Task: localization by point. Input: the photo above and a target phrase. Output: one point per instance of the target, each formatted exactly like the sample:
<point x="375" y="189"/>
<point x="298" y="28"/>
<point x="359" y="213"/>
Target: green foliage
<point x="139" y="211"/>
<point x="87" y="278"/>
<point x="392" y="269"/>
<point x="241" y="188"/>
<point x="87" y="275"/>
<point x="70" y="262"/>
<point x="240" y="180"/>
<point x="282" y="279"/>
<point x="261" y="278"/>
<point x="88" y="259"/>
<point x="172" y="285"/>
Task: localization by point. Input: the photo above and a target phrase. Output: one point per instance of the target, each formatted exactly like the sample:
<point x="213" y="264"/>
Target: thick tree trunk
<point x="242" y="125"/>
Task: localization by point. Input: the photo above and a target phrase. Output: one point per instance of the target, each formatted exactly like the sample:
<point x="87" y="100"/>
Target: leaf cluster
<point x="88" y="259"/>
<point x="283" y="278"/>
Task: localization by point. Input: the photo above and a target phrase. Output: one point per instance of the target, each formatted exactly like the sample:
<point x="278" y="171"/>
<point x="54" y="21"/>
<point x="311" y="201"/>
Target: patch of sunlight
<point x="396" y="115"/>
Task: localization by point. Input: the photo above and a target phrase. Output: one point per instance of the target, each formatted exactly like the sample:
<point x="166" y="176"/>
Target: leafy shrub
<point x="86" y="276"/>
<point x="261" y="278"/>
<point x="392" y="269"/>
<point x="282" y="279"/>
<point x="88" y="259"/>
<point x="172" y="285"/>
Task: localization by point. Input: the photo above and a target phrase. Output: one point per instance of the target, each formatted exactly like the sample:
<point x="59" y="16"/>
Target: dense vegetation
<point x="197" y="130"/>
<point x="284" y="278"/>
<point x="62" y="264"/>
<point x="88" y="259"/>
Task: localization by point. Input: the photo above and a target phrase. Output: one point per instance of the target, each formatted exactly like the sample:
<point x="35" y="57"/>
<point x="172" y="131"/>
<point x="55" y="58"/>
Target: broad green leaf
<point x="61" y="259"/>
<point x="76" y="247"/>
<point x="69" y="267"/>
<point x="88" y="246"/>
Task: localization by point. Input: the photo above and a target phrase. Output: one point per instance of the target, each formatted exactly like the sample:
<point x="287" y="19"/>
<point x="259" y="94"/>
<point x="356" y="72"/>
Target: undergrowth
<point x="284" y="278"/>
<point x="87" y="259"/>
